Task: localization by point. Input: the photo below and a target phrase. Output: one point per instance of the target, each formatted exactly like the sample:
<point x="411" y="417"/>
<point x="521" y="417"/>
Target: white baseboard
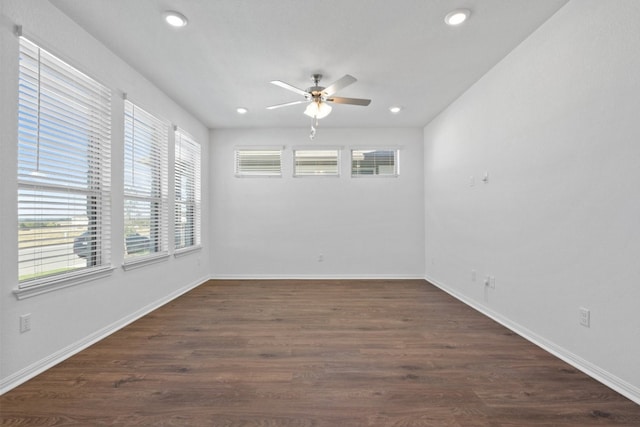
<point x="612" y="381"/>
<point x="42" y="365"/>
<point x="315" y="277"/>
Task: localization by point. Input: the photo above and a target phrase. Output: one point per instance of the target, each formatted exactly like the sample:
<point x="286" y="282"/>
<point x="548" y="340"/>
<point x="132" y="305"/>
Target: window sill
<point x="51" y="284"/>
<point x="239" y="175"/>
<point x="141" y="262"/>
<point x="186" y="251"/>
<point x="375" y="176"/>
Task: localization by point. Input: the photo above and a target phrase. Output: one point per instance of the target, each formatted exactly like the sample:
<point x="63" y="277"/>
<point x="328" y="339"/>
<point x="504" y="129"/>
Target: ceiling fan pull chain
<point x="312" y="134"/>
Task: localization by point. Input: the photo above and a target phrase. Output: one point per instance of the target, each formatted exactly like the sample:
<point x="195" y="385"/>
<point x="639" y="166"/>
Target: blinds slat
<point x="374" y="162"/>
<point x="316" y="163"/>
<point x="187" y="195"/>
<point x="146" y="189"/>
<point x="63" y="168"/>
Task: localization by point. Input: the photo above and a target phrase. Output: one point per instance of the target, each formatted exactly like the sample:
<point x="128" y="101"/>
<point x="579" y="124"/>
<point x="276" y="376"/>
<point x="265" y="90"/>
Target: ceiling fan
<point x="318" y="97"/>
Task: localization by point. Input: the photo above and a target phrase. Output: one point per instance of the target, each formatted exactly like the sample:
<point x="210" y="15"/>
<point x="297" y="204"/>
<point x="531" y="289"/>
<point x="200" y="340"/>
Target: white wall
<point x="277" y="227"/>
<point x="556" y="125"/>
<point x="66" y="320"/>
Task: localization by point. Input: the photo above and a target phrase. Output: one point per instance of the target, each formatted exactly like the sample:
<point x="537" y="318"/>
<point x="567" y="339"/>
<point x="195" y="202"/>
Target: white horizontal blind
<point x="258" y="162"/>
<point x="316" y="163"/>
<point x="374" y="162"/>
<point x="64" y="169"/>
<point x="146" y="205"/>
<point x="187" y="191"/>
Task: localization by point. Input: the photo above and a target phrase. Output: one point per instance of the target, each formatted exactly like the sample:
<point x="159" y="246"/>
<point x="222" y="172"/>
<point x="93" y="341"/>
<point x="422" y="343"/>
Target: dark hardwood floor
<point x="315" y="353"/>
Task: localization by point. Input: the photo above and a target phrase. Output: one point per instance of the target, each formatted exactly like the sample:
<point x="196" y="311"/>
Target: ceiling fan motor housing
<point x="319" y="94"/>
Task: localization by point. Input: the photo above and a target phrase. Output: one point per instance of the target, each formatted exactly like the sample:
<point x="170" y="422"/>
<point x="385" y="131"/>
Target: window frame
<point x="338" y="152"/>
<point x="259" y="173"/>
<point x="146" y="134"/>
<point x="396" y="162"/>
<point x="64" y="127"/>
<point x="187" y="166"/>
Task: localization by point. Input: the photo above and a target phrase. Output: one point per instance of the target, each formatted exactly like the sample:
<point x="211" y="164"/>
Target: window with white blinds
<point x="146" y="205"/>
<point x="187" y="191"/>
<point x="258" y="162"/>
<point x="316" y="163"/>
<point x="64" y="169"/>
<point x="374" y="162"/>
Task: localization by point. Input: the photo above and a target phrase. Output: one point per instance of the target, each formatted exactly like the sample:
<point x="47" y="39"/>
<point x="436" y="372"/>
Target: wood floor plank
<point x="315" y="353"/>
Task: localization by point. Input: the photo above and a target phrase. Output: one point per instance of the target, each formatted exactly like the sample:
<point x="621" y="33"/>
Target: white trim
<point x="51" y="285"/>
<point x="376" y="176"/>
<point x="316" y="277"/>
<point x="610" y="380"/>
<point x="42" y="365"/>
<point x="259" y="147"/>
<point x="318" y="147"/>
<point x="134" y="263"/>
<point x="396" y="165"/>
<point x="338" y="173"/>
<point x="256" y="174"/>
<point x="186" y="251"/>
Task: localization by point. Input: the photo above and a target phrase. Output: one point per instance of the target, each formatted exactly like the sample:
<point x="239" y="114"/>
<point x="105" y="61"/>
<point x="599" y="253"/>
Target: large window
<point x="258" y="162"/>
<point x="374" y="162"/>
<point x="187" y="196"/>
<point x="64" y="125"/>
<point x="316" y="163"/>
<point x="146" y="141"/>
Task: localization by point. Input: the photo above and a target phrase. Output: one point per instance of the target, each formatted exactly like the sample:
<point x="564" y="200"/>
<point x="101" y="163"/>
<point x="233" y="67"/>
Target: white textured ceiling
<point x="400" y="51"/>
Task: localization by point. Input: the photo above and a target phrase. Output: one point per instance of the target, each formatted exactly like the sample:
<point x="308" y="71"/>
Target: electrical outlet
<point x="585" y="317"/>
<point x="320" y="258"/>
<point x="490" y="282"/>
<point x="25" y="323"/>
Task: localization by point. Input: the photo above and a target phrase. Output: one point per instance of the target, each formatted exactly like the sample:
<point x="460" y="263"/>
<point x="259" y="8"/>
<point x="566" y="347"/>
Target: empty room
<point x="320" y="213"/>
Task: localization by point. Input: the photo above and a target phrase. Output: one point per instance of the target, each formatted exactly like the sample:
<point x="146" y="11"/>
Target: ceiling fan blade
<point x="352" y="101"/>
<point x="339" y="84"/>
<point x="286" y="104"/>
<point x="289" y="87"/>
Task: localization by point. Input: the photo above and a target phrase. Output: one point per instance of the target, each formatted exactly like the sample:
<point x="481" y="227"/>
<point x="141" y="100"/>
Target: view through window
<point x="187" y="196"/>
<point x="64" y="125"/>
<point x="146" y="141"/>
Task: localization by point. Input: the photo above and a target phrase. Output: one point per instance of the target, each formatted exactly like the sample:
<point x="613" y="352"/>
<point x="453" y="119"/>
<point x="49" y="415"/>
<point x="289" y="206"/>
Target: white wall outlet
<point x="25" y="323"/>
<point x="485" y="177"/>
<point x="320" y="258"/>
<point x="490" y="282"/>
<point x="585" y="317"/>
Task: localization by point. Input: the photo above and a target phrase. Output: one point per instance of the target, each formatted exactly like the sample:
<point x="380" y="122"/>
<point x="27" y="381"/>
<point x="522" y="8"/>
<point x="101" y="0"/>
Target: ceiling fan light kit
<point x="318" y="97"/>
<point x="318" y="110"/>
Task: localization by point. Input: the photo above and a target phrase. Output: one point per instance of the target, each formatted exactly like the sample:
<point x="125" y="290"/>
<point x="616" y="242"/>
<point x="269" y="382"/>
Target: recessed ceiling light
<point x="457" y="17"/>
<point x="175" y="19"/>
<point x="242" y="110"/>
<point x="395" y="109"/>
